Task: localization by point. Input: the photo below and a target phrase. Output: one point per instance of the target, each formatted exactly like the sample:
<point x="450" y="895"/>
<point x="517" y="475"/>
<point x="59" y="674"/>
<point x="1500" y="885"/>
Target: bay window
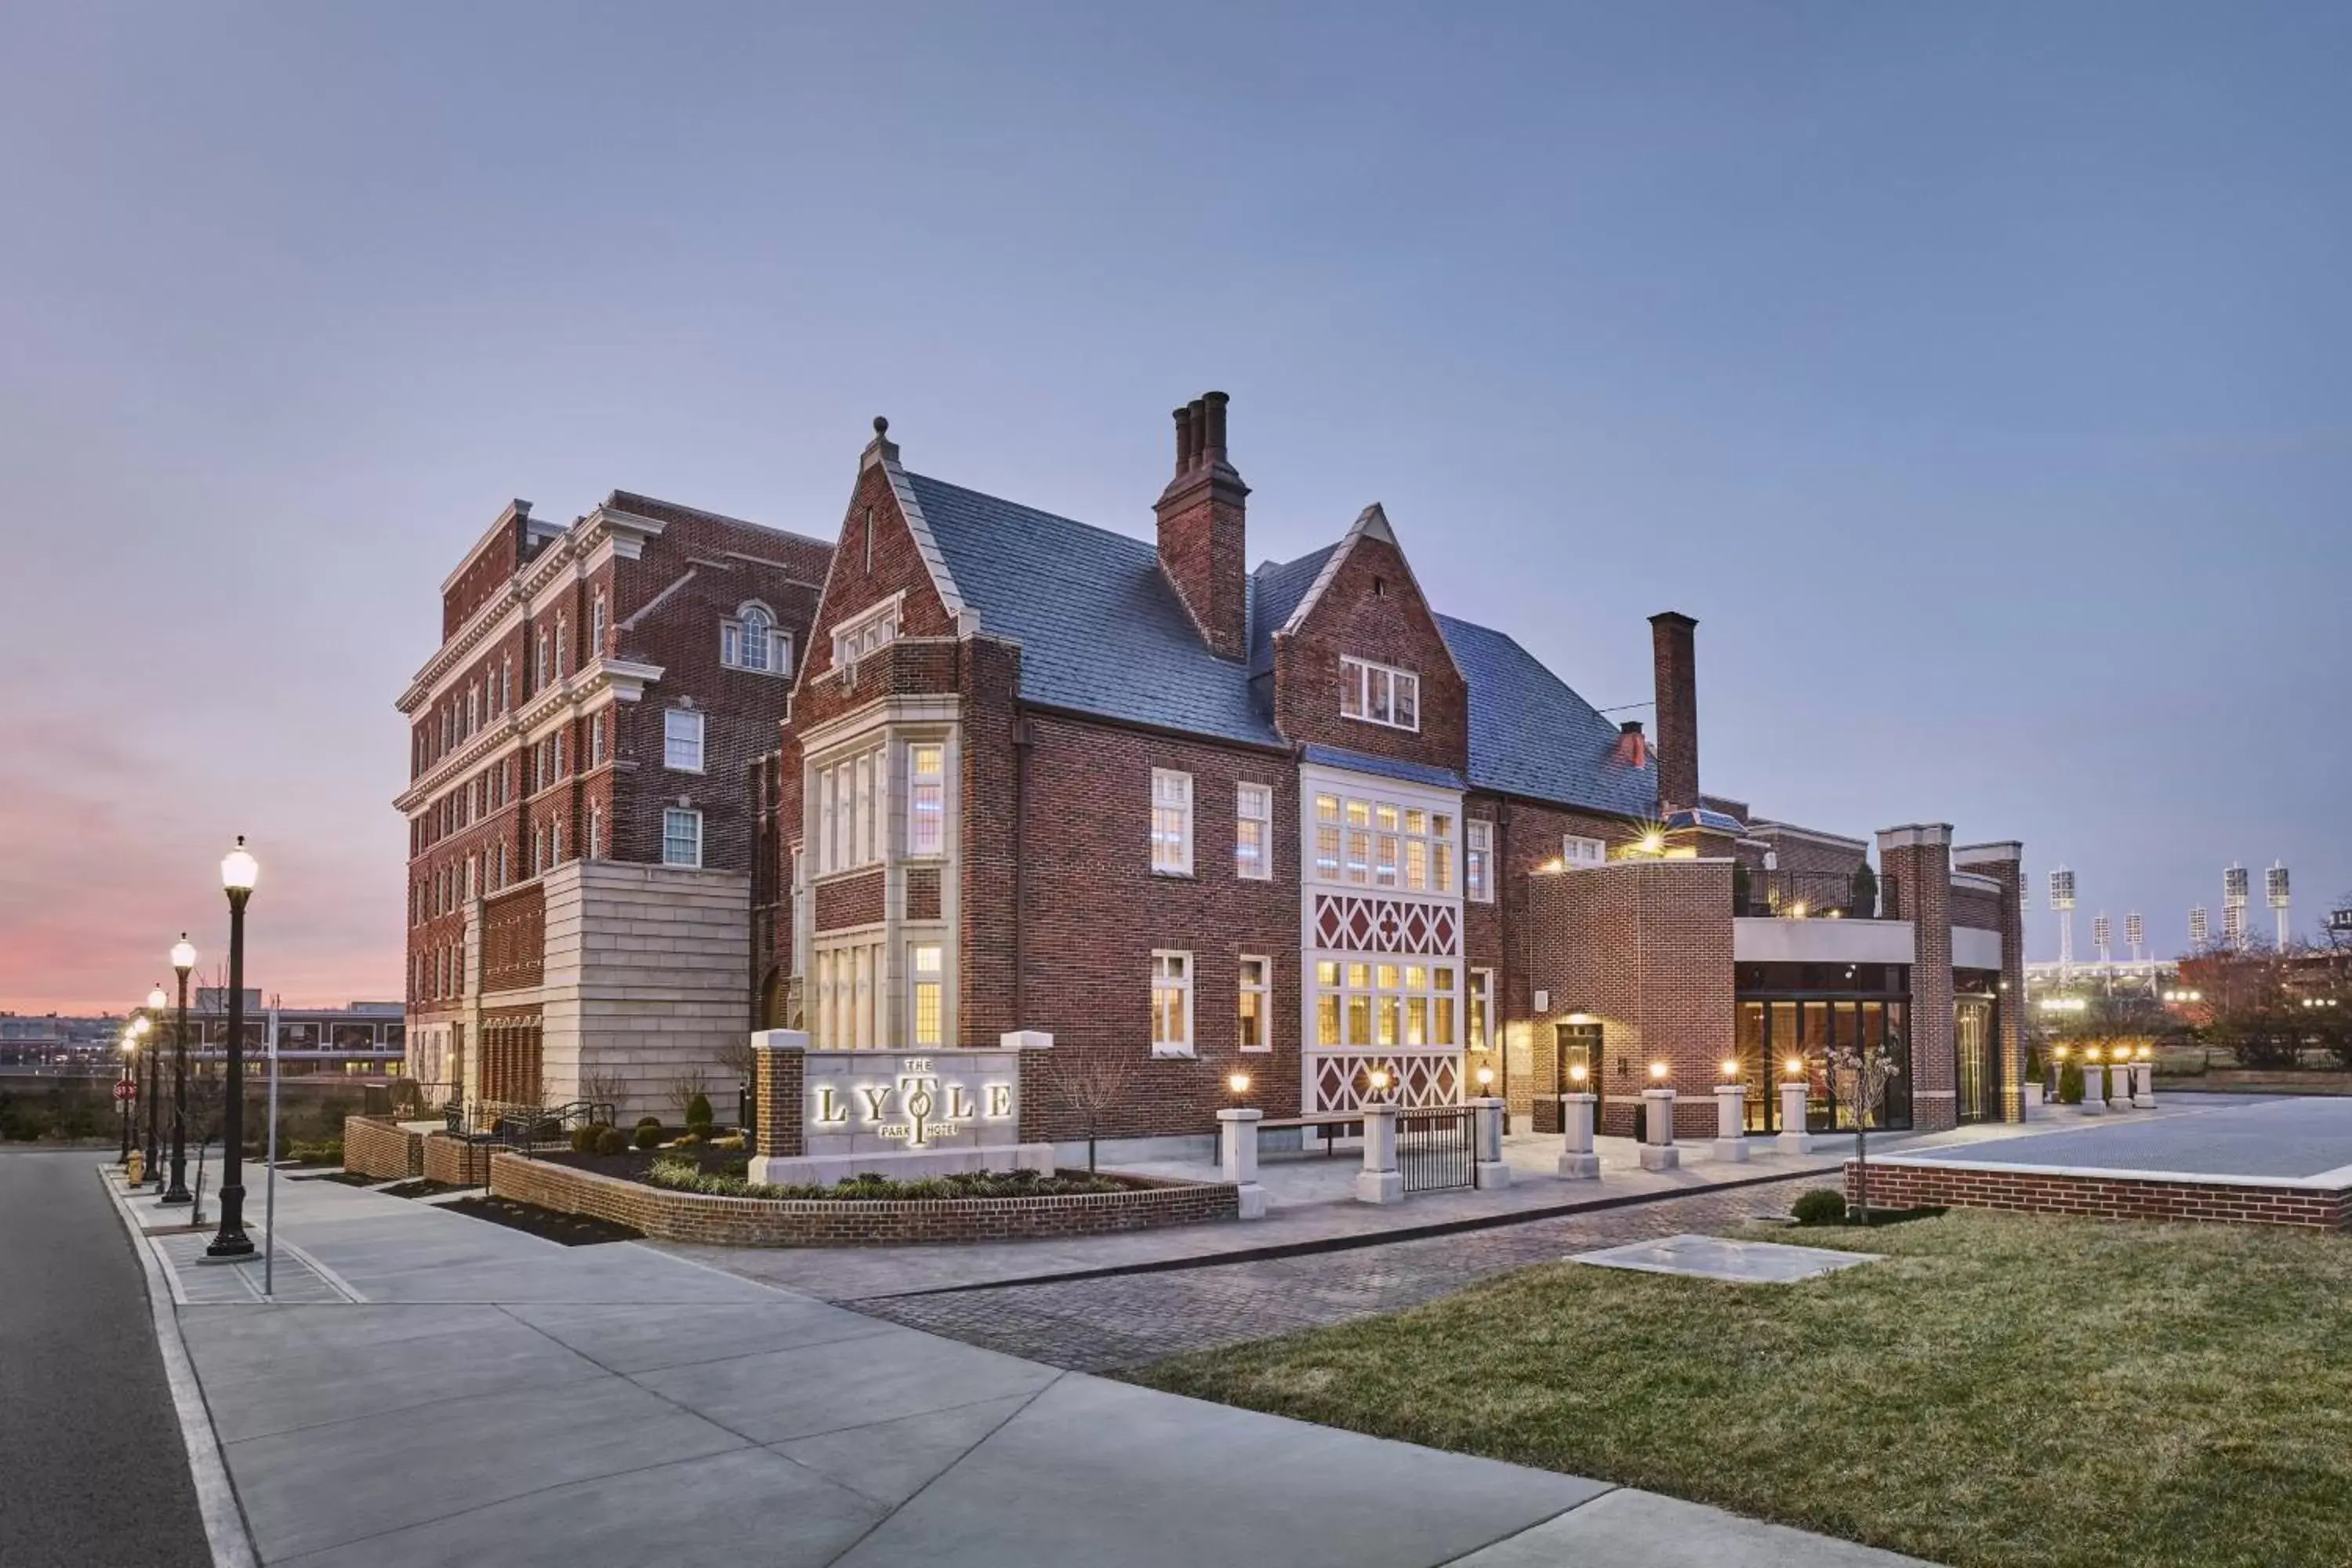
<point x="1379" y="694"/>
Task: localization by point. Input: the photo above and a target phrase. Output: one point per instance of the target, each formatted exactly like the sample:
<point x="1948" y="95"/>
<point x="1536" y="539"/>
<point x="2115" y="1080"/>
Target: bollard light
<point x="1794" y="1067"/>
<point x="1379" y="1080"/>
<point x="1658" y="1072"/>
<point x="1486" y="1078"/>
<point x="1238" y="1082"/>
<point x="1730" y="1068"/>
<point x="1577" y="1073"/>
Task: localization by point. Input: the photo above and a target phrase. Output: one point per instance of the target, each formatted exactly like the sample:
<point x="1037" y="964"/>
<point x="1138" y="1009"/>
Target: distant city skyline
<point x="1822" y="324"/>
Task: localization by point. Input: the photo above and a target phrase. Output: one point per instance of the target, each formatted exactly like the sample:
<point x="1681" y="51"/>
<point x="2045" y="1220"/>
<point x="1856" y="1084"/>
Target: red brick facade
<point x="1961" y="1185"/>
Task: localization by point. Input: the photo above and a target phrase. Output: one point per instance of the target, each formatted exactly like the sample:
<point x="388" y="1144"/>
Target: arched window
<point x="749" y="640"/>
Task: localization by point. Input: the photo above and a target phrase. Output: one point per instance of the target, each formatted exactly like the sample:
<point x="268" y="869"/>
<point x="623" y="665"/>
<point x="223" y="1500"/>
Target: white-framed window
<point x="597" y="627"/>
<point x="596" y="833"/>
<point x="1172" y="823"/>
<point x="1254" y="831"/>
<point x="926" y="993"/>
<point x="1386" y="1003"/>
<point x="1478" y="860"/>
<point x="596" y="740"/>
<point x="1172" y="1003"/>
<point x="861" y="635"/>
<point x="681" y="836"/>
<point x="1379" y="694"/>
<point x="852" y="795"/>
<point x="682" y="740"/>
<point x="540" y="669"/>
<point x="562" y="642"/>
<point x="506" y="682"/>
<point x="1383" y="844"/>
<point x="502" y="863"/>
<point x="1480" y="1035"/>
<point x="472" y="708"/>
<point x="750" y="640"/>
<point x="1576" y="851"/>
<point x="925" y="798"/>
<point x="1254" y="984"/>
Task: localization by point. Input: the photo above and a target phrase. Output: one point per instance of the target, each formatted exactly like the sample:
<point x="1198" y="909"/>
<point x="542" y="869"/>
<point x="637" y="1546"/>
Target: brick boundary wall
<point x="2105" y="1197"/>
<point x="806" y="1222"/>
<point x="454" y="1161"/>
<point x="375" y="1147"/>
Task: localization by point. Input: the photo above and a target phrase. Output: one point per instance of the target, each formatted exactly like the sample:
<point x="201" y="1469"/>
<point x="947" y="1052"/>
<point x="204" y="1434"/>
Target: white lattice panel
<point x="1351" y="923"/>
<point x="1341" y="1081"/>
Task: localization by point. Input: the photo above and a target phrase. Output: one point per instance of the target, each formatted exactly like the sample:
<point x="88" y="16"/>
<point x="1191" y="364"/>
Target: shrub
<point x="610" y="1140"/>
<point x="2070" y="1084"/>
<point x="697" y="1114"/>
<point x="649" y="1121"/>
<point x="583" y="1138"/>
<point x="648" y="1134"/>
<point x="1820" y="1205"/>
<point x="685" y="1175"/>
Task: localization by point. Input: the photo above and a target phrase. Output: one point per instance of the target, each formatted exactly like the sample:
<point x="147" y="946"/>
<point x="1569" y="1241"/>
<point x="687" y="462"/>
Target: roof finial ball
<point x="881" y="425"/>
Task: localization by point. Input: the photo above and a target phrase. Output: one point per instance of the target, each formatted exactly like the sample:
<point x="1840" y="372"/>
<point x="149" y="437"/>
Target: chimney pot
<point x="1183" y="437"/>
<point x="1202" y="546"/>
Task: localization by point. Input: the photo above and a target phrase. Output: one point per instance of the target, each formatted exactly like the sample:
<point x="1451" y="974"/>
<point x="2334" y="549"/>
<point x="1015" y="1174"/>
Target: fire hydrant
<point x="138" y="1169"/>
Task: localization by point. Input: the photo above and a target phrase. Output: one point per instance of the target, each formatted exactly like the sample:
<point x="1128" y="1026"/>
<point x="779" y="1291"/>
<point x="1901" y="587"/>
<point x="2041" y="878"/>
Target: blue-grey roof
<point x="1530" y="736"/>
<point x="1384" y="767"/>
<point x="1100" y="627"/>
<point x="1704" y="816"/>
<point x="1102" y="631"/>
<point x="1279" y="587"/>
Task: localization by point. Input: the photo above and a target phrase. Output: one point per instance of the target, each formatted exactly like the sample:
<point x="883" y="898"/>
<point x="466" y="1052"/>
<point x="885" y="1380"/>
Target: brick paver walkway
<point x="1098" y="1325"/>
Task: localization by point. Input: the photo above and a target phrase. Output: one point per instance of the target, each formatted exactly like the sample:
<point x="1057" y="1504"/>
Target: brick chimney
<point x="1676" y="677"/>
<point x="1633" y="749"/>
<point x="1202" y="544"/>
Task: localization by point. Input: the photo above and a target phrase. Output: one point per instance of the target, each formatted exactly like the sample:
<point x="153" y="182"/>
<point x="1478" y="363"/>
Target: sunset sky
<point x="1976" y="376"/>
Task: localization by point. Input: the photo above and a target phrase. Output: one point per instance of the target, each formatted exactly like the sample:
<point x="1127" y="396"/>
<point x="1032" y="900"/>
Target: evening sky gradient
<point x="1975" y="375"/>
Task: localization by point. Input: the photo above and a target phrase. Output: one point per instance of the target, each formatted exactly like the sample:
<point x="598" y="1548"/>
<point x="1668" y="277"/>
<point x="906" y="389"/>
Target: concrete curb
<point x="225" y="1526"/>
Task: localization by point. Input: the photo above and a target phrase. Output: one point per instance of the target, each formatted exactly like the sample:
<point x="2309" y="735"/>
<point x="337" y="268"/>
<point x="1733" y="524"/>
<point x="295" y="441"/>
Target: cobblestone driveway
<point x="1097" y="1325"/>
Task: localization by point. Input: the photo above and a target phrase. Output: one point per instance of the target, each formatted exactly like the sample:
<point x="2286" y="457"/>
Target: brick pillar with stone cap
<point x="777" y="1069"/>
<point x="1918" y="856"/>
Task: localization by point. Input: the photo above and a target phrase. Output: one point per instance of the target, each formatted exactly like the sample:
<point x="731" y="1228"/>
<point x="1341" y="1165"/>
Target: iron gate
<point x="1434" y="1148"/>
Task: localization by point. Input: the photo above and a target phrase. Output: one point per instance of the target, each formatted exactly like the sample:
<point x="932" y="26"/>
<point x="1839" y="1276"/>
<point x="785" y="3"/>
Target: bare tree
<point x="604" y="1088"/>
<point x="684" y="1087"/>
<point x="1091" y="1094"/>
<point x="1860" y="1081"/>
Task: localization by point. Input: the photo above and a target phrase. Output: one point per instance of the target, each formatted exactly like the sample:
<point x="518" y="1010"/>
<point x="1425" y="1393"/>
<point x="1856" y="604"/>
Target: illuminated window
<point x="1481" y="1010"/>
<point x="1172" y="823"/>
<point x="1255" y="986"/>
<point x="925" y="798"/>
<point x="851" y="796"/>
<point x="1382" y="844"/>
<point x="1575" y="850"/>
<point x="1252" y="832"/>
<point x="1172" y="1003"/>
<point x="923" y="960"/>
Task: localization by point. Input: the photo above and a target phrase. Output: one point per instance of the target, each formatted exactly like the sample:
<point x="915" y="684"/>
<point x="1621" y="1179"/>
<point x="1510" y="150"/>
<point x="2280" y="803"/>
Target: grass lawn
<point x="2001" y="1390"/>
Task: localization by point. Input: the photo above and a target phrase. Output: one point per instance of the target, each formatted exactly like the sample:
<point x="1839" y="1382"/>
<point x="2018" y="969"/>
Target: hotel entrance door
<point x="1980" y="1067"/>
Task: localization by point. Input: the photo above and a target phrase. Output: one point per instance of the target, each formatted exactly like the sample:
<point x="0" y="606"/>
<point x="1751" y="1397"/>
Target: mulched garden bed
<point x="421" y="1188"/>
<point x="631" y="1166"/>
<point x="344" y="1178"/>
<point x="571" y="1229"/>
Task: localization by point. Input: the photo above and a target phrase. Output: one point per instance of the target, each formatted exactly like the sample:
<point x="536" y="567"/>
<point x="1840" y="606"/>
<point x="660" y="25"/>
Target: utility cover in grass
<point x="1715" y="1257"/>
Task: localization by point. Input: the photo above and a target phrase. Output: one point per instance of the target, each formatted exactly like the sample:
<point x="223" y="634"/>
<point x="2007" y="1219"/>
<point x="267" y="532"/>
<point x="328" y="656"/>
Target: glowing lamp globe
<point x="183" y="954"/>
<point x="239" y="871"/>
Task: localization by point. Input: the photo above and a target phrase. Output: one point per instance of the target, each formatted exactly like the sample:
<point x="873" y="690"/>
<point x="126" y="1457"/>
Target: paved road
<point x="1098" y="1325"/>
<point x="91" y="1468"/>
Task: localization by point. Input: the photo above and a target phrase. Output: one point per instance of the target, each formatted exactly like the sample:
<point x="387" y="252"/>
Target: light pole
<point x="238" y="874"/>
<point x="183" y="958"/>
<point x="155" y="1000"/>
<point x="130" y="1076"/>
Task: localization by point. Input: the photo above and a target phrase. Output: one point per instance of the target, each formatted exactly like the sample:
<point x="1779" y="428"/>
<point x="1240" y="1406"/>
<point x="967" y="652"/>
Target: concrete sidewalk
<point x="471" y="1392"/>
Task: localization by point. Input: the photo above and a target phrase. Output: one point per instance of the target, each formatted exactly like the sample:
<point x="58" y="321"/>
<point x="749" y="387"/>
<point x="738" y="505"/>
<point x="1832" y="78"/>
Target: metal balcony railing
<point x="1814" y="895"/>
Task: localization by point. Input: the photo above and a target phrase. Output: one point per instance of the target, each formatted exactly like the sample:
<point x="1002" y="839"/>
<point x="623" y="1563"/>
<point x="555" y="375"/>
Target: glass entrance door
<point x="1980" y="1072"/>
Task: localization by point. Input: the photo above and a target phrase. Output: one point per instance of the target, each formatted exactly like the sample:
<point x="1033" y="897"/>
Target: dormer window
<point x="1379" y="694"/>
<point x="749" y="640"/>
<point x="854" y="639"/>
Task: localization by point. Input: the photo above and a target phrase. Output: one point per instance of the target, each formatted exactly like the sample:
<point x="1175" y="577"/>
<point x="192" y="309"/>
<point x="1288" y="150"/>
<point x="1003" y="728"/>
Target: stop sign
<point x="126" y="1090"/>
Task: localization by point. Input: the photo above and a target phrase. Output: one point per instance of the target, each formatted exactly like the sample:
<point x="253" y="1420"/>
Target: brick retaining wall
<point x="375" y="1147"/>
<point x="817" y="1222"/>
<point x="2104" y="1197"/>
<point x="454" y="1161"/>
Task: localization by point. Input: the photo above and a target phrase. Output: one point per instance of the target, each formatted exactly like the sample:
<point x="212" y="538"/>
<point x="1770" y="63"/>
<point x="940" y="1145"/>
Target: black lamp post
<point x="183" y="958"/>
<point x="155" y="1000"/>
<point x="238" y="873"/>
<point x="128" y="1075"/>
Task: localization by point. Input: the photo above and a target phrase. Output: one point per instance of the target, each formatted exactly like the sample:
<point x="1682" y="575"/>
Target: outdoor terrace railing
<point x="1814" y="895"/>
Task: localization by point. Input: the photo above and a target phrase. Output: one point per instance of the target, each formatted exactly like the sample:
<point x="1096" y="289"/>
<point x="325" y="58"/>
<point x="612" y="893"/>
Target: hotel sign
<point x="924" y="1101"/>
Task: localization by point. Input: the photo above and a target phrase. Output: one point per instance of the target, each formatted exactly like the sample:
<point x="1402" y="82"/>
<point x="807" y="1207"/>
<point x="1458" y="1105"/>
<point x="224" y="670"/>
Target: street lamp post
<point x="183" y="958"/>
<point x="155" y="1000"/>
<point x="238" y="874"/>
<point x="130" y="1075"/>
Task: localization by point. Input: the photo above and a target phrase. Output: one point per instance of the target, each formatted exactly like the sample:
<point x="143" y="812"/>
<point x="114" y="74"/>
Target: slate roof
<point x="1102" y="631"/>
<point x="1531" y="735"/>
<point x="1384" y="767"/>
<point x="1100" y="627"/>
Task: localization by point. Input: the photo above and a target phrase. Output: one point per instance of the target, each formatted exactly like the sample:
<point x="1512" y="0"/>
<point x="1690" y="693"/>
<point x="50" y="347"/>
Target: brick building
<point x="1192" y="818"/>
<point x="579" y="836"/>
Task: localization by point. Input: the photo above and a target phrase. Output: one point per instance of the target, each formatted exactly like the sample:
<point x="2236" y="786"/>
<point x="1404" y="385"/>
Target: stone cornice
<point x="625" y="679"/>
